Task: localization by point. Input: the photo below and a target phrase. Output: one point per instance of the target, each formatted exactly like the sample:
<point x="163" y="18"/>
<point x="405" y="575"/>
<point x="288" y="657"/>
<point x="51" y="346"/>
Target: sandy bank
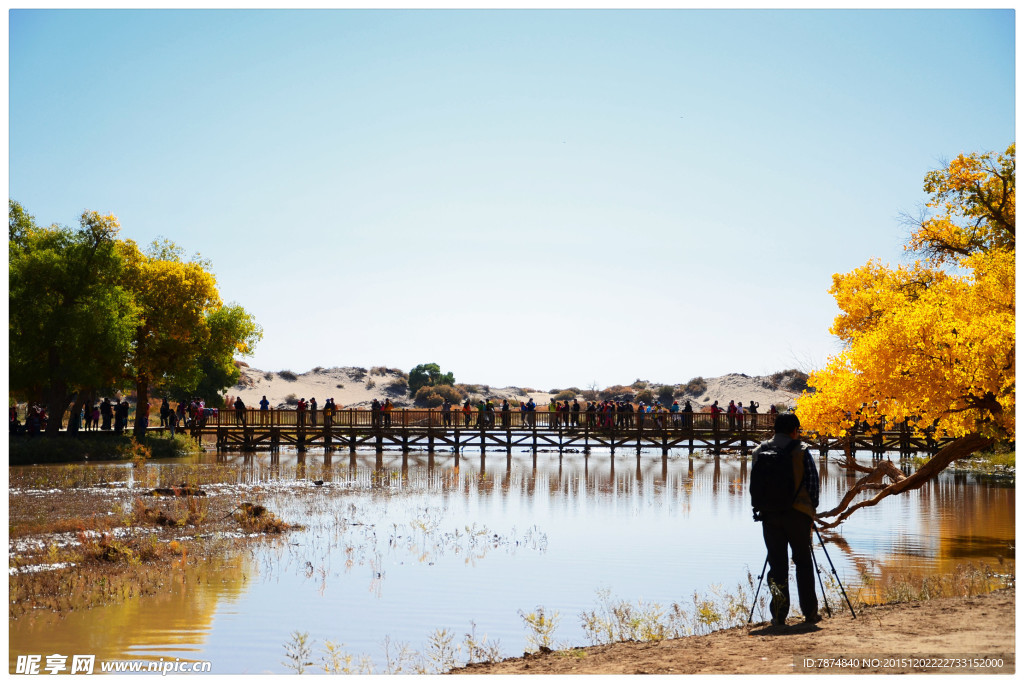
<point x="925" y="633"/>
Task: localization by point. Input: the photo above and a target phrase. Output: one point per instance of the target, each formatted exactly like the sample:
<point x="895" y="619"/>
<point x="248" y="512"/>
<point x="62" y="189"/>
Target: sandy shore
<point x="919" y="637"/>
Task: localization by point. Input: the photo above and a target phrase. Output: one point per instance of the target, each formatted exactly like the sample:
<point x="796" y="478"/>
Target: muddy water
<point x="396" y="548"/>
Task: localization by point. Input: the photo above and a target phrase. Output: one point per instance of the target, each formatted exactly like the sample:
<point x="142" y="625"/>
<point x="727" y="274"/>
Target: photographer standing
<point x="784" y="493"/>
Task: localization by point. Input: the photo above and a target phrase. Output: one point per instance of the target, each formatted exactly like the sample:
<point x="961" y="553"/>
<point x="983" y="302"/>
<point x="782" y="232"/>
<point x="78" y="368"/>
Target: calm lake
<point x="397" y="547"/>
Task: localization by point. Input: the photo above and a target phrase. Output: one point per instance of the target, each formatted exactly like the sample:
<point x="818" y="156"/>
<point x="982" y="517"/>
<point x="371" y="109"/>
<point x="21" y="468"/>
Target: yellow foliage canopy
<point x="932" y="343"/>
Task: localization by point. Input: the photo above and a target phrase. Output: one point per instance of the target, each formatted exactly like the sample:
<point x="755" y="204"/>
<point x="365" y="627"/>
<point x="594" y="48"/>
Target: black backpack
<point x="772" y="488"/>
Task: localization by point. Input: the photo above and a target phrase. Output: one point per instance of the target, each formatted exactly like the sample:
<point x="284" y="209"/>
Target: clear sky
<point x="536" y="198"/>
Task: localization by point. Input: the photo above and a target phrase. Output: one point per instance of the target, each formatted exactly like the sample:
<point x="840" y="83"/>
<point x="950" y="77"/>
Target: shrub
<point x="357" y="373"/>
<point x="645" y="396"/>
<point x="789" y="380"/>
<point x="397" y="387"/>
<point x="318" y="369"/>
<point x="566" y="395"/>
<point x="639" y="385"/>
<point x="291" y="400"/>
<point x="428" y="398"/>
<point x="268" y="376"/>
<point x="370" y="384"/>
<point x="695" y="387"/>
<point x="616" y="392"/>
<point x="449" y="392"/>
<point x="590" y="395"/>
<point x="666" y="394"/>
<point x="288" y="375"/>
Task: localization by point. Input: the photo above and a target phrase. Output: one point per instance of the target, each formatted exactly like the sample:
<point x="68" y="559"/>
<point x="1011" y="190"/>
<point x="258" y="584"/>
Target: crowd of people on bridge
<point x="114" y="415"/>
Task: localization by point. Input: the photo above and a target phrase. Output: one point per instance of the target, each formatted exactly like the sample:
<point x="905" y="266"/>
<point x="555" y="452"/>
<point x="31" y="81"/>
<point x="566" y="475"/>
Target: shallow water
<point x="397" y="547"/>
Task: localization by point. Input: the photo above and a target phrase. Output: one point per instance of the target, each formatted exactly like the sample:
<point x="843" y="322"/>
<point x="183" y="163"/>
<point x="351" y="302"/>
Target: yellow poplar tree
<point x="183" y="321"/>
<point x="932" y="343"/>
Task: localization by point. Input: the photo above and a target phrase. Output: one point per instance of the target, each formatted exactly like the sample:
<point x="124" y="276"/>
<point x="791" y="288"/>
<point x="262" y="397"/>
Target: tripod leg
<point x="764" y="569"/>
<point x="824" y="598"/>
<point x="834" y="572"/>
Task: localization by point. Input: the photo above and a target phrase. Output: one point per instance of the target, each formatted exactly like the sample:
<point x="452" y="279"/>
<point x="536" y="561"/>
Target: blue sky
<point x="540" y="198"/>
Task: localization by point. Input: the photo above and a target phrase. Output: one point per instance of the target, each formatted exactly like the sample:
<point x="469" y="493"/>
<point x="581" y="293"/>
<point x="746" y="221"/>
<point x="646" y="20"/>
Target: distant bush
<point x="428" y="397"/>
<point x="645" y="396"/>
<point x="318" y="369"/>
<point x="451" y="393"/>
<point x="432" y="397"/>
<point x="666" y="393"/>
<point x="788" y="380"/>
<point x="357" y="373"/>
<point x="291" y="400"/>
<point x="288" y="375"/>
<point x="554" y="391"/>
<point x="695" y="387"/>
<point x="589" y="395"/>
<point x="370" y="384"/>
<point x="616" y="392"/>
<point x="268" y="376"/>
<point x="639" y="385"/>
<point x="398" y="387"/>
<point x="566" y="395"/>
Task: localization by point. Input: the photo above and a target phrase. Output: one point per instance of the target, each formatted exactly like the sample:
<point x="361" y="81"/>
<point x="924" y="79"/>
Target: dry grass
<point x="258" y="519"/>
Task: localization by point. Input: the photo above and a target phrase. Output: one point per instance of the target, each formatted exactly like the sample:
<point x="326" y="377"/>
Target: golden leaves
<point x="923" y="344"/>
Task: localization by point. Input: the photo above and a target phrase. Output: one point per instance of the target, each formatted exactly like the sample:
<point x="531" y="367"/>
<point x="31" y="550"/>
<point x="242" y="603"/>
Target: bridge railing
<point x="514" y="419"/>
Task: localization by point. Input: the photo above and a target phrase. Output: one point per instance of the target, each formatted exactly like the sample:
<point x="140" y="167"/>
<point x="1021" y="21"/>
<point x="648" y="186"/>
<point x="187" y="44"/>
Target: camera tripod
<point x="764" y="571"/>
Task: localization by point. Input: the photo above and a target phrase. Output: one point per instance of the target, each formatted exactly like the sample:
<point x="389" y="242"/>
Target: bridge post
<point x="456" y="445"/>
<point x="405" y="431"/>
<point x="639" y="435"/>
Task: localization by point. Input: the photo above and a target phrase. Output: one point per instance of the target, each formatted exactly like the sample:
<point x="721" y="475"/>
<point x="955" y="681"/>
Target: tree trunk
<point x="955" y="450"/>
<point x="56" y="406"/>
<point x="74" y="424"/>
<point x="141" y="414"/>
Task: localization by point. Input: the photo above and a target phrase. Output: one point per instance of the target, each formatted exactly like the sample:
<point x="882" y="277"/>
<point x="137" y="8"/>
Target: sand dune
<point x="353" y="387"/>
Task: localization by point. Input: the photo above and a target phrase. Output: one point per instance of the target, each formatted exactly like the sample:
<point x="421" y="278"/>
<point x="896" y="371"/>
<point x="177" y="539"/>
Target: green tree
<point x="428" y="375"/>
<point x="71" y="319"/>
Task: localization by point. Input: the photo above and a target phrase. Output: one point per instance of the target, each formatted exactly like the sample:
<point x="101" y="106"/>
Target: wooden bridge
<point x="430" y="429"/>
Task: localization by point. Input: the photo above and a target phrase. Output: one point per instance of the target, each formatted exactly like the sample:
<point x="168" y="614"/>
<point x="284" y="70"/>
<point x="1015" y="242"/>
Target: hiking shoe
<point x="813" y="619"/>
<point x="779" y="621"/>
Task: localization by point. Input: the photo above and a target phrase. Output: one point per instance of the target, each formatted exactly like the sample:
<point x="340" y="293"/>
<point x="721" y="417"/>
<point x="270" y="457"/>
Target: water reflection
<point x="176" y="623"/>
